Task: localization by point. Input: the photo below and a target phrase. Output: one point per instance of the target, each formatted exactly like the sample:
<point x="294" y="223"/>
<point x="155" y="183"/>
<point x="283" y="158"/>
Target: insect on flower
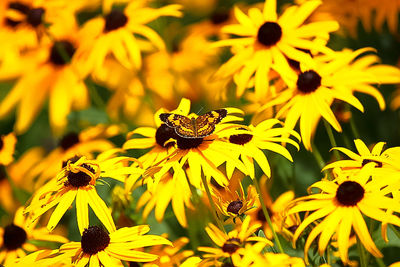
<point x="202" y="126"/>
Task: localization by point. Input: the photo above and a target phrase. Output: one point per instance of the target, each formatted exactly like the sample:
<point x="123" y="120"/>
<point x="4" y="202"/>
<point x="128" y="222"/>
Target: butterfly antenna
<point x="201" y="108"/>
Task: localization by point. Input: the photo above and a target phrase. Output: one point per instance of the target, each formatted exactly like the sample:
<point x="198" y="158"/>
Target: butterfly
<point x="199" y="127"/>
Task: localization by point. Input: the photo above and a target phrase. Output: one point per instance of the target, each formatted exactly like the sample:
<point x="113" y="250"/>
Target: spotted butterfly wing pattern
<point x="199" y="127"/>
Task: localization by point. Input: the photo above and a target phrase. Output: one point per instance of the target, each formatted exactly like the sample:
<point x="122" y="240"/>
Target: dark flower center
<point x="228" y="264"/>
<point x="1" y="143"/>
<point x="366" y="161"/>
<point x="188" y="143"/>
<point x="293" y="228"/>
<point x="80" y="178"/>
<point x="308" y="81"/>
<point x="269" y="33"/>
<point x="349" y="193"/>
<point x="240" y="139"/>
<point x="165" y="133"/>
<point x="69" y="140"/>
<point x="61" y="53"/>
<point x="235" y="206"/>
<point x="3" y="174"/>
<point x="94" y="240"/>
<point x="134" y="264"/>
<point x="260" y="214"/>
<point x="114" y="20"/>
<point x="219" y="17"/>
<point x="35" y="16"/>
<point x="14" y="237"/>
<point x="73" y="160"/>
<point x="231" y="245"/>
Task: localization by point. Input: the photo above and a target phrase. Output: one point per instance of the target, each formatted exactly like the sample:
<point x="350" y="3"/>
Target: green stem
<point x="361" y="251"/>
<point x="354" y="128"/>
<point x="98" y="101"/>
<point x="380" y="262"/>
<point x="318" y="157"/>
<point x="213" y="209"/>
<point x="395" y="231"/>
<point x="329" y="131"/>
<point x="265" y="211"/>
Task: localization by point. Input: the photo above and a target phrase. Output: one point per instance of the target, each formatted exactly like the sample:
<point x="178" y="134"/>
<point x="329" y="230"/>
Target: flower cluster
<point x="182" y="133"/>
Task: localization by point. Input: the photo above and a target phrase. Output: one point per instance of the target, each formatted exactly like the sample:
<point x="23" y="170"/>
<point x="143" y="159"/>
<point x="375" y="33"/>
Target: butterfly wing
<point x="183" y="125"/>
<point x="205" y="124"/>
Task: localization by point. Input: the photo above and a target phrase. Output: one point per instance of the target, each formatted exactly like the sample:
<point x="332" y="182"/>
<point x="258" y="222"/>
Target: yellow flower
<point x="310" y="93"/>
<point x="77" y="180"/>
<point x="282" y="224"/>
<point x="86" y="143"/>
<point x="231" y="245"/>
<point x="98" y="248"/>
<point x="23" y="23"/>
<point x="386" y="164"/>
<point x="17" y="237"/>
<point x="231" y="201"/>
<point x="7" y="147"/>
<point x="171" y="188"/>
<point x="343" y="202"/>
<point x="253" y="256"/>
<point x="115" y="34"/>
<point x="170" y="255"/>
<point x="255" y="139"/>
<point x="268" y="40"/>
<point x="55" y="75"/>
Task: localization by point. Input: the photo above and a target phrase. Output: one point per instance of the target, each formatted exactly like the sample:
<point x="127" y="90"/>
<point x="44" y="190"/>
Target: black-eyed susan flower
<point x="56" y="74"/>
<point x="385" y="163"/>
<point x="231" y="245"/>
<point x="285" y="225"/>
<point x="202" y="153"/>
<point x="7" y="147"/>
<point x="266" y="41"/>
<point x="341" y="205"/>
<point x="264" y="136"/>
<point x="173" y="71"/>
<point x="310" y="93"/>
<point x="231" y="200"/>
<point x="116" y="33"/>
<point x="88" y="142"/>
<point x="169" y="255"/>
<point x="77" y="180"/>
<point x="253" y="256"/>
<point x="16" y="238"/>
<point x="99" y="248"/>
<point x="172" y="188"/>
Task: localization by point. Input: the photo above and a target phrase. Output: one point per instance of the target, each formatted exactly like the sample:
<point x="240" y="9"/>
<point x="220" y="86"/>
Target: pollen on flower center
<point x="308" y="81"/>
<point x="235" y="206"/>
<point x="269" y="33"/>
<point x="188" y="143"/>
<point x="349" y="193"/>
<point x="69" y="140"/>
<point x="94" y="240"/>
<point x="165" y="133"/>
<point x="114" y="20"/>
<point x="14" y="237"/>
<point x="35" y="16"/>
<point x="231" y="245"/>
<point x="240" y="139"/>
<point x="61" y="53"/>
<point x="80" y="178"/>
<point x="366" y="161"/>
